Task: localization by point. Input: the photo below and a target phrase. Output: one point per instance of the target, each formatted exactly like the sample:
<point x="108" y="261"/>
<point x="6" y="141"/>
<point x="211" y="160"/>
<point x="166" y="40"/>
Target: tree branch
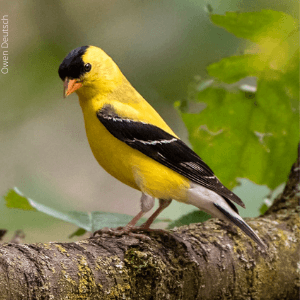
<point x="211" y="260"/>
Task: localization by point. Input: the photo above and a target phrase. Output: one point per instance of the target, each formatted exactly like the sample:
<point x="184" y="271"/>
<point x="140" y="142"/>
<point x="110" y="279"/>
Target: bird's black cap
<point x="73" y="65"/>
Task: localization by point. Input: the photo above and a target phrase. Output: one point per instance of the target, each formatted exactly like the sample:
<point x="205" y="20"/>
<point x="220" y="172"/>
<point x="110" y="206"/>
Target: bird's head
<point x="88" y="71"/>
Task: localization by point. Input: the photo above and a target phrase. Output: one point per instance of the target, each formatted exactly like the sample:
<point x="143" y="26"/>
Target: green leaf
<point x="14" y="199"/>
<point x="266" y="204"/>
<point x="276" y="35"/>
<point x="78" y="232"/>
<point x="196" y="216"/>
<point x="268" y="25"/>
<point x="238" y="137"/>
<point x="263" y="209"/>
<point x="251" y="137"/>
<point x="234" y="68"/>
<point x="89" y="221"/>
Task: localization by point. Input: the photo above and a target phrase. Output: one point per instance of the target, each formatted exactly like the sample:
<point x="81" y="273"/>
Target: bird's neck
<point x="93" y="98"/>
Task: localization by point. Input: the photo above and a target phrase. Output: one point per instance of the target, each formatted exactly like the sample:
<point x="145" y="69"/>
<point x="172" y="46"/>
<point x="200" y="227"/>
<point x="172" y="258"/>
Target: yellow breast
<point x="127" y="164"/>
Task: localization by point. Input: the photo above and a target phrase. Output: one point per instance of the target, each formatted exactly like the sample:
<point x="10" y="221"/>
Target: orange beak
<point x="70" y="86"/>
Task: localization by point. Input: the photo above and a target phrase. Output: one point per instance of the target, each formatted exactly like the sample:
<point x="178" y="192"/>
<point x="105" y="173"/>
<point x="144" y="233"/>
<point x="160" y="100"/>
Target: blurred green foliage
<point x="251" y="137"/>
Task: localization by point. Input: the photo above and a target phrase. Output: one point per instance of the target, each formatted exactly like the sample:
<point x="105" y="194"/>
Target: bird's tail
<point x="220" y="207"/>
<point x="238" y="221"/>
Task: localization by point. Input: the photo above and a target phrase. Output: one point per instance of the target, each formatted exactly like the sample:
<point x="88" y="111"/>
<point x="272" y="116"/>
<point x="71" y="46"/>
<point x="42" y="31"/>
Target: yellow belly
<point x="131" y="166"/>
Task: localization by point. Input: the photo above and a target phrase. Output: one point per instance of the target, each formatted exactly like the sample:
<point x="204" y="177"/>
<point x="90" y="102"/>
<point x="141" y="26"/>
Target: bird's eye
<point x="87" y="67"/>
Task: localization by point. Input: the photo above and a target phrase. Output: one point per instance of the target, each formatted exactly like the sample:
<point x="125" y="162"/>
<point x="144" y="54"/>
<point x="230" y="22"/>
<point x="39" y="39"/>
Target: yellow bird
<point x="131" y="141"/>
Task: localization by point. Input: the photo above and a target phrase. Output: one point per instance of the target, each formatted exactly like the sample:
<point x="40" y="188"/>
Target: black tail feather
<point x="242" y="225"/>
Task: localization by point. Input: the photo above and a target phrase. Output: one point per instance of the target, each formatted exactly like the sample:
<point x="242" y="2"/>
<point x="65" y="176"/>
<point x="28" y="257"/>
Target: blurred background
<point x="160" y="46"/>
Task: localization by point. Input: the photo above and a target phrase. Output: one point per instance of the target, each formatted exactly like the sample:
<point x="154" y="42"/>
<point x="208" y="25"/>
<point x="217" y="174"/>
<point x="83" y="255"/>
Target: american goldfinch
<point x="131" y="141"/>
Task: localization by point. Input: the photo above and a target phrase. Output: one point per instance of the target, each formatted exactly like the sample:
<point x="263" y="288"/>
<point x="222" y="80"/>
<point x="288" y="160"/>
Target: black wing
<point x="165" y="149"/>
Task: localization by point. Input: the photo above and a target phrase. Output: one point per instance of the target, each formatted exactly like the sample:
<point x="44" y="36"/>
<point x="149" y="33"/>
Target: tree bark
<point x="211" y="260"/>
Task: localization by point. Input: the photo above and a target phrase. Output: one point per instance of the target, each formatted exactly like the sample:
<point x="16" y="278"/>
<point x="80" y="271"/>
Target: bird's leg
<point x="163" y="203"/>
<point x="147" y="202"/>
<point x="135" y="220"/>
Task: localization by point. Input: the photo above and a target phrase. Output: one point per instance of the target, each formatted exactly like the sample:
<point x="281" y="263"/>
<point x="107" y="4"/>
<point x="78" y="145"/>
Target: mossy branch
<point x="212" y="260"/>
